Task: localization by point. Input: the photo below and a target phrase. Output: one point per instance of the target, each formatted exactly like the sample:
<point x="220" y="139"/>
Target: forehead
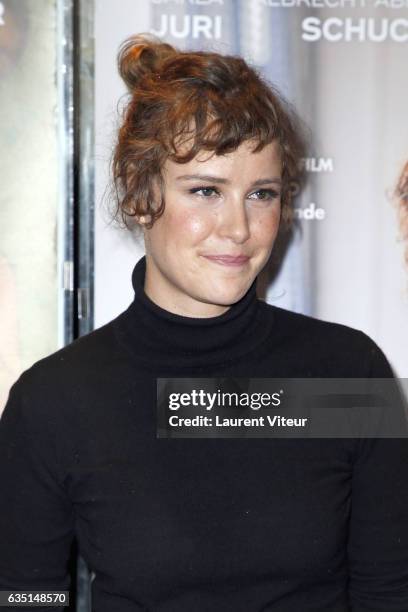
<point x="241" y="163"/>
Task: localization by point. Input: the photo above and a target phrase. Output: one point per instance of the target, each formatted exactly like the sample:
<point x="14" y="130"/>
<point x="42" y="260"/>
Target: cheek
<point x="265" y="229"/>
<point x="190" y="227"/>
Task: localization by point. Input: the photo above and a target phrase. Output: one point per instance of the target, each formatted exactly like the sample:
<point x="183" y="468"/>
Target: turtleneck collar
<point x="163" y="338"/>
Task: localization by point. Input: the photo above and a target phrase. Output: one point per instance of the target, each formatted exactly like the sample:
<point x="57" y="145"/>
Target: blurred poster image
<point x="401" y="195"/>
<point x="342" y="63"/>
<point x="29" y="186"/>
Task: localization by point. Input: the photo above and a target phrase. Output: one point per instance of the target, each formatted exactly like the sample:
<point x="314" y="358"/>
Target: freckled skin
<point x="236" y="219"/>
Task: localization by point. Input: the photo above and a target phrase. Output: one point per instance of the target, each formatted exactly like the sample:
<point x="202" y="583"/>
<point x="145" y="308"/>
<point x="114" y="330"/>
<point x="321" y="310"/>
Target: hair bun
<point x="140" y="55"/>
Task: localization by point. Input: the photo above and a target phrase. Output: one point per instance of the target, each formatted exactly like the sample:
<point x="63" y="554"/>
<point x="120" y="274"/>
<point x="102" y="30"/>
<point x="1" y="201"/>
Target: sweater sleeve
<point x="378" y="535"/>
<point x="36" y="518"/>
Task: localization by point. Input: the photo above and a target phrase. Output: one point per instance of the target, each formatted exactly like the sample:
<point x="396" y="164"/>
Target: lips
<point x="228" y="260"/>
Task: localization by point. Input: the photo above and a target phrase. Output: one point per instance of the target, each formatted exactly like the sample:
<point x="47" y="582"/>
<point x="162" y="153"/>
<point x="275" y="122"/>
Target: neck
<point x="162" y="337"/>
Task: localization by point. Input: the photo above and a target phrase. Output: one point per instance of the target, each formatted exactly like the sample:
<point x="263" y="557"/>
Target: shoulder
<point x="89" y="353"/>
<point x="68" y="398"/>
<point x="73" y="375"/>
<point x="310" y="328"/>
<point x="331" y="348"/>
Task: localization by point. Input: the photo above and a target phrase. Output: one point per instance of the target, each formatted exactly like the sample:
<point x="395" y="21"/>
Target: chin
<point x="225" y="297"/>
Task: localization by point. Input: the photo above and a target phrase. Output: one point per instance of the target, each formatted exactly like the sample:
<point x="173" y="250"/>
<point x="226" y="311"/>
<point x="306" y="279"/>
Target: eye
<point x="206" y="192"/>
<point x="265" y="194"/>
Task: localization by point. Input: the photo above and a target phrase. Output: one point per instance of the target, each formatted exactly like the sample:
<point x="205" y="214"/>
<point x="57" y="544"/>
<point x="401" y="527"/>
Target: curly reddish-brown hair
<point x="202" y="101"/>
<point x="401" y="194"/>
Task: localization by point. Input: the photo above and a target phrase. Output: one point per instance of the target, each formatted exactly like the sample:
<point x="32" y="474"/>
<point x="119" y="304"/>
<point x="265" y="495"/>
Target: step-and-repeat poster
<point x="343" y="64"/>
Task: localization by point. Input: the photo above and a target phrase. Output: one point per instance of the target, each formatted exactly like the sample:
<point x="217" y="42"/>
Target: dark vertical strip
<point x="65" y="42"/>
<point x="76" y="99"/>
<point x="83" y="209"/>
<point x="83" y="218"/>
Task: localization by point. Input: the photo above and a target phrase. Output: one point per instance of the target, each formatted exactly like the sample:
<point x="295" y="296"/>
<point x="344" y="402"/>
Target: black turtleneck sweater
<point x="199" y="525"/>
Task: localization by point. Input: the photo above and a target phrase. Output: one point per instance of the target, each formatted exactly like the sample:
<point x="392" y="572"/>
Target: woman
<point x="204" y="164"/>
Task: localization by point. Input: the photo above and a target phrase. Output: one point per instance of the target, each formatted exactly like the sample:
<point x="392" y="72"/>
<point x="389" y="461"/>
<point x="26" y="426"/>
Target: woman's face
<point x="219" y="224"/>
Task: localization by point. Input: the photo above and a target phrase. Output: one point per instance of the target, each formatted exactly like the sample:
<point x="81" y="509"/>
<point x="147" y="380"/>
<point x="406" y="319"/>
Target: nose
<point x="234" y="222"/>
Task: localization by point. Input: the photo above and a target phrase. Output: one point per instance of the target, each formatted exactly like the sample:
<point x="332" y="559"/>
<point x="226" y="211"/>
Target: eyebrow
<point x="224" y="181"/>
